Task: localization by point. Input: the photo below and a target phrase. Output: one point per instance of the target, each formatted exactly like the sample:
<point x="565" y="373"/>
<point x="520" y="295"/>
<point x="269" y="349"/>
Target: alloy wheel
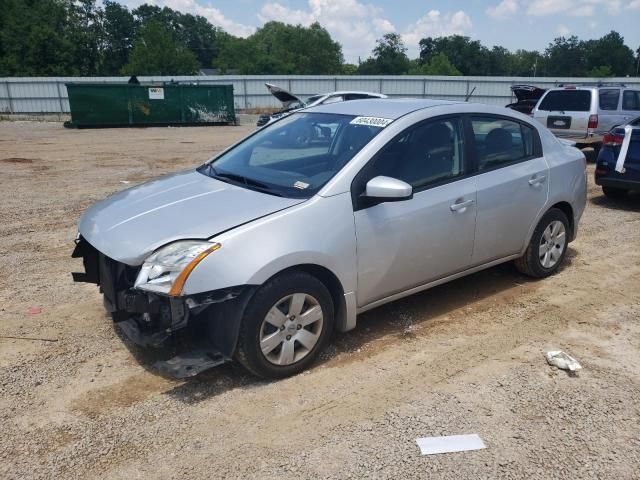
<point x="291" y="329"/>
<point x="552" y="244"/>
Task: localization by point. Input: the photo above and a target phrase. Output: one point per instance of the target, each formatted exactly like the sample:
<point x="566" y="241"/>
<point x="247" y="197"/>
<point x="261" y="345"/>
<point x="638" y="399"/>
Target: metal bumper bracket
<point x="190" y="364"/>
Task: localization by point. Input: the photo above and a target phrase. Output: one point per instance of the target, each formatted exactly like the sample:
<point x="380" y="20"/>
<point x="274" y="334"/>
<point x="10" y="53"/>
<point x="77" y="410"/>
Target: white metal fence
<point x="49" y="94"/>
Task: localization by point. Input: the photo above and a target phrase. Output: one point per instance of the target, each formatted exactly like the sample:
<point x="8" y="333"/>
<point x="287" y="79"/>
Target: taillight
<point x="612" y="139"/>
<point x="593" y="121"/>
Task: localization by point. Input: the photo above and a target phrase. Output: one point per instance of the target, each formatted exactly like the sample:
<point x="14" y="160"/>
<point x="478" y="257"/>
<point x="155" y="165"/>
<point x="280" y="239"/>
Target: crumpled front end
<point x="209" y="321"/>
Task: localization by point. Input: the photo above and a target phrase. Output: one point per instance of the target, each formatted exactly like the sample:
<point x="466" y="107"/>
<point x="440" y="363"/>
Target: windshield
<point x="566" y="101"/>
<point x="295" y="156"/>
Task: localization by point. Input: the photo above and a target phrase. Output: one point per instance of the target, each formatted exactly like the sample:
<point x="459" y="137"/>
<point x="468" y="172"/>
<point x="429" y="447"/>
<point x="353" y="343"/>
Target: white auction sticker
<point x="371" y="121"/>
<point x="156" y="93"/>
<point x="300" y="185"/>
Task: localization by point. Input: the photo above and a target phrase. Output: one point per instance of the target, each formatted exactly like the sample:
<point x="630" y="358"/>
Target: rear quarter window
<point x="631" y="100"/>
<point x="566" y="101"/>
<point x="609" y="99"/>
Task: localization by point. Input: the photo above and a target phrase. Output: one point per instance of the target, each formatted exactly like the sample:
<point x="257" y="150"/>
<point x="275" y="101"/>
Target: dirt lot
<point x="77" y="402"/>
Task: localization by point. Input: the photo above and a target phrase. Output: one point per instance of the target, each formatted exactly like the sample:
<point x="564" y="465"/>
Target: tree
<point x="84" y="32"/>
<point x="118" y="30"/>
<point x="349" y="69"/>
<point x="157" y="52"/>
<point x="470" y="57"/>
<point x="602" y="71"/>
<point x="277" y="48"/>
<point x="438" y="65"/>
<point x="525" y="63"/>
<point x="389" y="57"/>
<point x="609" y="51"/>
<point x="566" y="57"/>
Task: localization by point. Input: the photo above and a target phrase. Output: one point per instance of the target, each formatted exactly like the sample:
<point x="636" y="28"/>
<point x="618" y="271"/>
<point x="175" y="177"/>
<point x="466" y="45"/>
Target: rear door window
<point x="566" y="101"/>
<point x="500" y="142"/>
<point x="609" y="98"/>
<point x="631" y="100"/>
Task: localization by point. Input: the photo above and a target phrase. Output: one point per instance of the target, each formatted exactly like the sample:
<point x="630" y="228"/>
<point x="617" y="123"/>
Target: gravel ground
<point x="77" y="401"/>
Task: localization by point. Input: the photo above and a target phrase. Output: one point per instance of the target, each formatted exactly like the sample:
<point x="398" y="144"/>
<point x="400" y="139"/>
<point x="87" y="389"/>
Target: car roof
<point x="379" y="107"/>
<point x="344" y="92"/>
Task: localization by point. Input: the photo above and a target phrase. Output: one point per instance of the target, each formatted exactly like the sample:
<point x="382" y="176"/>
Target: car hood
<point x="527" y="92"/>
<point x="285" y="97"/>
<point x="132" y="223"/>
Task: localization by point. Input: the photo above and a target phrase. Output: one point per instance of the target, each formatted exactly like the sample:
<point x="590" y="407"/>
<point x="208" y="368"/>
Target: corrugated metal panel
<point x="49" y="95"/>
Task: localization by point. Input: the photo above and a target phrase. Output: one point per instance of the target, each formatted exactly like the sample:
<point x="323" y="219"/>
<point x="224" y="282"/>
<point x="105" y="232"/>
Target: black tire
<point x="530" y="263"/>
<point x="249" y="353"/>
<point x="614" y="193"/>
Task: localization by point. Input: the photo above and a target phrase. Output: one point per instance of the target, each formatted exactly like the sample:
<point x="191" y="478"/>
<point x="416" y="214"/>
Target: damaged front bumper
<point x="150" y="319"/>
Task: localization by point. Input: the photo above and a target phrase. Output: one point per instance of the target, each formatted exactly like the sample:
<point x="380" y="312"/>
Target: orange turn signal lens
<point x="178" y="285"/>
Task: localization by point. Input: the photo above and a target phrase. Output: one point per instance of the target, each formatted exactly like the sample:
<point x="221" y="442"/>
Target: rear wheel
<point x="285" y="326"/>
<point x="548" y="246"/>
<point x="615" y="193"/>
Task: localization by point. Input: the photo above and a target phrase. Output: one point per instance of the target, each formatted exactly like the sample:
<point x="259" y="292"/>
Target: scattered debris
<point x="563" y="361"/>
<point x="34" y="310"/>
<point x="125" y="181"/>
<point x="30" y="338"/>
<point x="450" y="444"/>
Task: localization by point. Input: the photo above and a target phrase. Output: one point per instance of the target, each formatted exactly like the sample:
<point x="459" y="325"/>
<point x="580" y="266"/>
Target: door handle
<point x="537" y="180"/>
<point x="456" y="207"/>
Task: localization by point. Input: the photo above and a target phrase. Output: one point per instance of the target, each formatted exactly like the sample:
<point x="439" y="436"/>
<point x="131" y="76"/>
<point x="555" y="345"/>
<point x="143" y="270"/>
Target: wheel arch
<point x="567" y="209"/>
<point x="562" y="205"/>
<point x="333" y="284"/>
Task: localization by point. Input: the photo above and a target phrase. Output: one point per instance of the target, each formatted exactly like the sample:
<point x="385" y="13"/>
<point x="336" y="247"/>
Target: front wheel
<point x="548" y="246"/>
<point x="285" y="326"/>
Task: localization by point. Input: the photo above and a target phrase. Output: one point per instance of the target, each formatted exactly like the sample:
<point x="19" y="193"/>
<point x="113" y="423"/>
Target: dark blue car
<point x="615" y="184"/>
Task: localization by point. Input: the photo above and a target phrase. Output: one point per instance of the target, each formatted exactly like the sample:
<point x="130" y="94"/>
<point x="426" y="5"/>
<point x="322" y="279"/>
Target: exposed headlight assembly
<point x="167" y="270"/>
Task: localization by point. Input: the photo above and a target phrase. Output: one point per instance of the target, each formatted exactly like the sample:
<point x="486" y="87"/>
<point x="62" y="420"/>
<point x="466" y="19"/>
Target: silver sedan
<point x="283" y="238"/>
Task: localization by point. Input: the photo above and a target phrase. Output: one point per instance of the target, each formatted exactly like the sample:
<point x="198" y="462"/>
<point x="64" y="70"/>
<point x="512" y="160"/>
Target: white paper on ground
<point x="624" y="149"/>
<point x="450" y="444"/>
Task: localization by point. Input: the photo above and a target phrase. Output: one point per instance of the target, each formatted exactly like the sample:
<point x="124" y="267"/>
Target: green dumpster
<point x="123" y="104"/>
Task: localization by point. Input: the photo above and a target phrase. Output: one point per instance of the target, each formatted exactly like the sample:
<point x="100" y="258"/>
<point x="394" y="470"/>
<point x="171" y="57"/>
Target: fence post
<point x="335" y="84"/>
<point x="380" y="85"/>
<point x="466" y="95"/>
<point x="60" y="98"/>
<point x="244" y="90"/>
<point x="9" y="98"/>
<point x="424" y="87"/>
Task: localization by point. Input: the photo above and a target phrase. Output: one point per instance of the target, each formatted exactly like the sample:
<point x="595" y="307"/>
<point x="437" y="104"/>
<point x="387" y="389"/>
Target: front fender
<point x="320" y="231"/>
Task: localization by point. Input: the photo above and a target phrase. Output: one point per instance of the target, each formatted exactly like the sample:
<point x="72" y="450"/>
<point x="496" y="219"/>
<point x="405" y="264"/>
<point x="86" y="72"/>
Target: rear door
<point x="566" y="112"/>
<point x="512" y="184"/>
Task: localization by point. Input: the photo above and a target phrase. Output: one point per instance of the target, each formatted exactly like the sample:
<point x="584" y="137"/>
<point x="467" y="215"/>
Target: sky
<point x="356" y="24"/>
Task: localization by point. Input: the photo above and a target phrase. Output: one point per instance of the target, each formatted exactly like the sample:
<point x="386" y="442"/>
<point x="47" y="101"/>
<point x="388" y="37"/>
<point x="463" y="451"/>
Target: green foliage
<point x="92" y="37"/>
<point x="470" y="57"/>
<point x="438" y="65"/>
<point x="118" y="33"/>
<point x="278" y="48"/>
<point x="389" y="57"/>
<point x="602" y="71"/>
<point x="156" y="51"/>
<point x="349" y="69"/>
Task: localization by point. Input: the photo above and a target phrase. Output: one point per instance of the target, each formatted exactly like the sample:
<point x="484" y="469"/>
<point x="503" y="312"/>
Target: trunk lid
<point x="283" y="95"/>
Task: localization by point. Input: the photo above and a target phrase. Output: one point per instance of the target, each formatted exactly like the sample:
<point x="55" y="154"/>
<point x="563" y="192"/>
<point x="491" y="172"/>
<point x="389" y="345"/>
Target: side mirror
<point x="386" y="189"/>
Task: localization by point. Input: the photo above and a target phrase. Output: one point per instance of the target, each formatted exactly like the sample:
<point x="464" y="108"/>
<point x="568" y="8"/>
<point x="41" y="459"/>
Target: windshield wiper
<point x="248" y="182"/>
